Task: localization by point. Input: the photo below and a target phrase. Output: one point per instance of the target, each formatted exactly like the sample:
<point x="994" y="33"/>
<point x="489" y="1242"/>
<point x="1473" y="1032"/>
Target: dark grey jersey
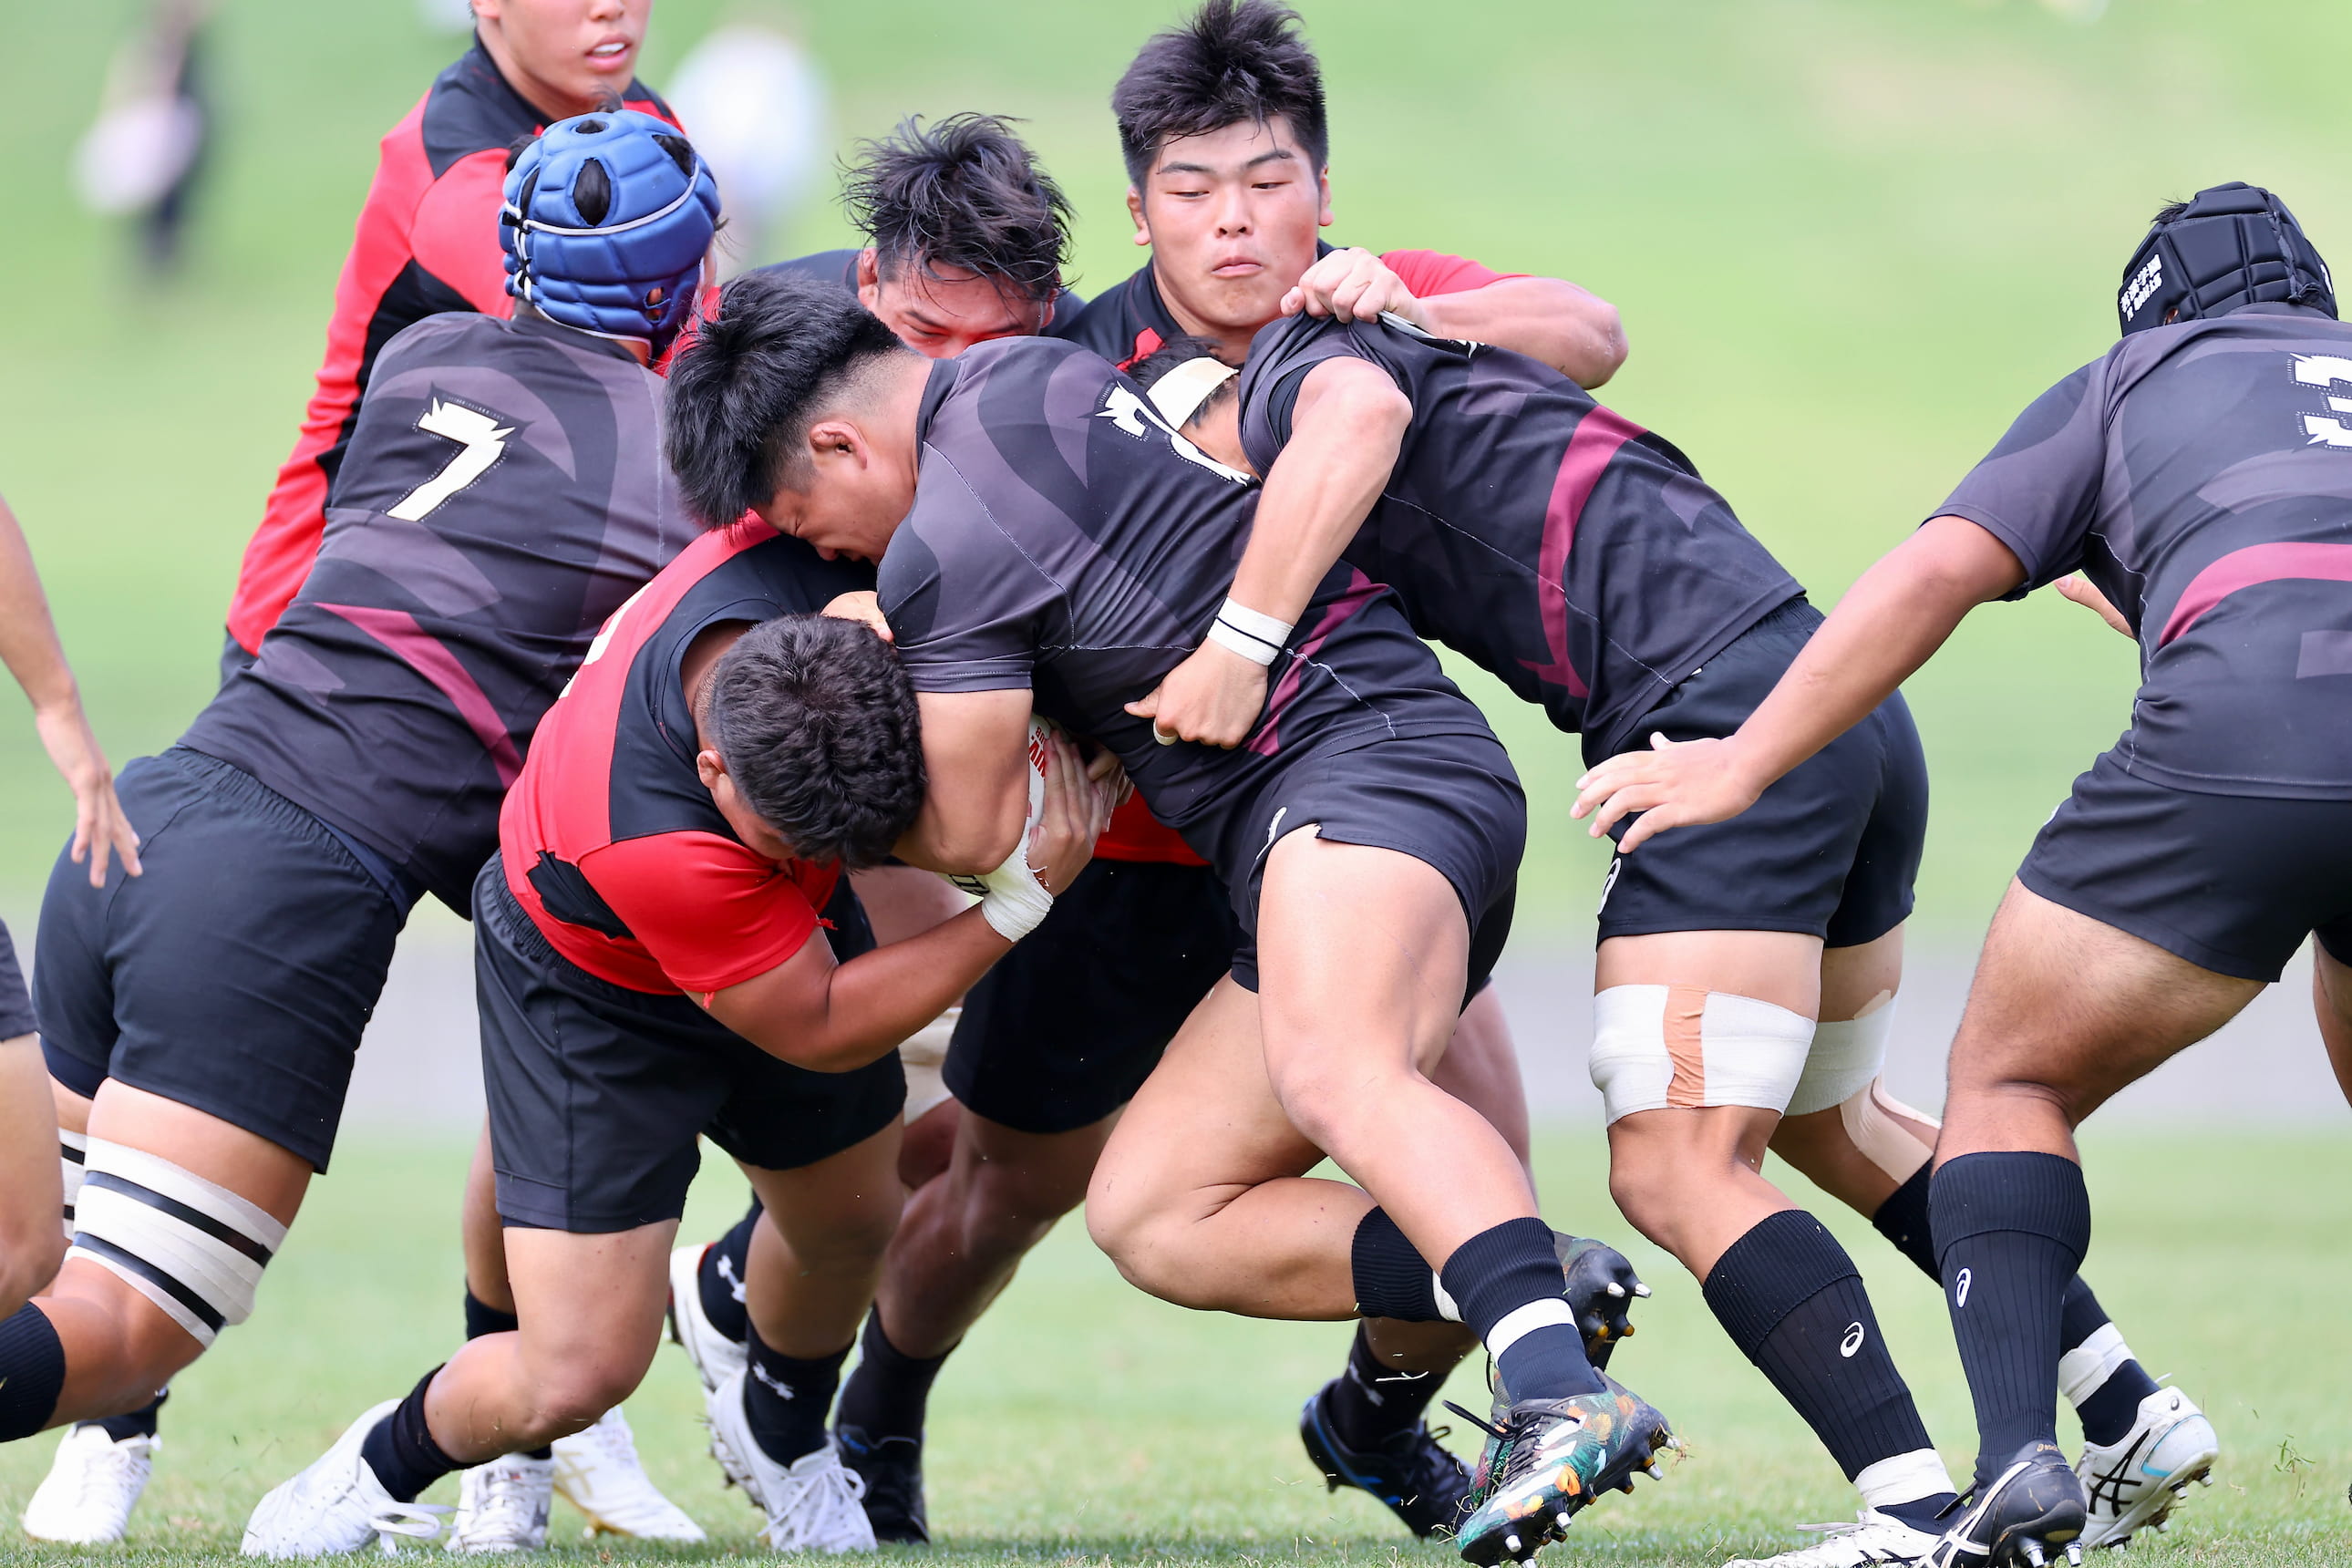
<point x="1064" y="539"/>
<point x="2201" y="475"/>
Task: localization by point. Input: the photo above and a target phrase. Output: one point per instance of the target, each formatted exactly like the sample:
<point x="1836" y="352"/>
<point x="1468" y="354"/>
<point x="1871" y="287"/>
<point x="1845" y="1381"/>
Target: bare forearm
<point x="875" y="1002"/>
<point x="28" y="639"/>
<point x="1550" y="319"/>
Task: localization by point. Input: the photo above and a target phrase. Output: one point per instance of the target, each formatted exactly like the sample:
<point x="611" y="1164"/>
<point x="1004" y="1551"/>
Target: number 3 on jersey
<point x="479" y="442"/>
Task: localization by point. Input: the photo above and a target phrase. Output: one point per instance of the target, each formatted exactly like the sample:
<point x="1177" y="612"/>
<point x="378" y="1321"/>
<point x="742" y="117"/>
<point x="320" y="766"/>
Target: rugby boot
<point x="503" y="1505"/>
<point x="598" y="1472"/>
<point x="2030" y="1515"/>
<point x="2135" y="1482"/>
<point x="812" y="1504"/>
<point x="1412" y="1477"/>
<point x="1549" y="1460"/>
<point x="1867" y="1541"/>
<point x="892" y="1470"/>
<point x="92" y="1485"/>
<point x="1600" y="1287"/>
<point x="337" y="1505"/>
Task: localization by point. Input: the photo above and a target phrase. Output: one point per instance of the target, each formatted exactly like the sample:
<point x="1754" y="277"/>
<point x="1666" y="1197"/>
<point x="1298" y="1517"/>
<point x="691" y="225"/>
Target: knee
<point x="1005" y="1204"/>
<point x="571" y="1391"/>
<point x="1136" y="1235"/>
<point x="851" y="1232"/>
<point x="1323" y="1098"/>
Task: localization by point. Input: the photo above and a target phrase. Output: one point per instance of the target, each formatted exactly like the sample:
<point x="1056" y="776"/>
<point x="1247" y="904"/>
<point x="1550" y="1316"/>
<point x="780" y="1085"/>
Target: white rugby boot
<point x="2133" y="1483"/>
<point x="503" y="1505"/>
<point x="338" y="1505"/>
<point x="1873" y="1538"/>
<point x="716" y="1357"/>
<point x="92" y="1485"/>
<point x="597" y="1471"/>
<point x="813" y="1504"/>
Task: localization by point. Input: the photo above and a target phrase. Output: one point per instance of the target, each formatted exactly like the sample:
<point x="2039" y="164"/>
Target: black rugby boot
<point x="2032" y="1513"/>
<point x="1413" y="1477"/>
<point x="892" y="1470"/>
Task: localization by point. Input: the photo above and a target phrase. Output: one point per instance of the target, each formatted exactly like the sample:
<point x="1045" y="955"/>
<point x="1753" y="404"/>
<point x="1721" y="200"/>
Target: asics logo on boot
<point x="1851" y="1342"/>
<point x="1960" y="1289"/>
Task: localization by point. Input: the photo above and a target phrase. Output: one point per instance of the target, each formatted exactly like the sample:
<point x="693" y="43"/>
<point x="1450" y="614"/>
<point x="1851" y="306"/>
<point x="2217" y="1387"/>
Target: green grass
<point x="1084" y="1421"/>
<point x="1851" y="239"/>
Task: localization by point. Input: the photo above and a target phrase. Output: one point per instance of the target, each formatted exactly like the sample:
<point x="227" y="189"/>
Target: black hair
<point x="740" y="393"/>
<point x="1175" y="354"/>
<point x="2169" y="211"/>
<point x="817" y="722"/>
<point x="960" y="191"/>
<point x="1235" y="60"/>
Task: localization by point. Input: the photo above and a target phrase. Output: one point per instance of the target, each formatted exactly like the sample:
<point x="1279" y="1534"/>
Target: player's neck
<point x="638" y="349"/>
<point x="551" y="100"/>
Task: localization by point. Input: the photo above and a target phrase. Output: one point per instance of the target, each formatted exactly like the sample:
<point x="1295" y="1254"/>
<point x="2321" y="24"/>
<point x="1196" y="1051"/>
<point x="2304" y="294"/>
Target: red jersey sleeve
<point x="455" y="235"/>
<point x="1427" y="272"/>
<point x="709" y="911"/>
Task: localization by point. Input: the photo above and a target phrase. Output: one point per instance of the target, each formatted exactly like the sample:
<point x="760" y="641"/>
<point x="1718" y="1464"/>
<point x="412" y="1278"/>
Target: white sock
<point x="2085" y="1370"/>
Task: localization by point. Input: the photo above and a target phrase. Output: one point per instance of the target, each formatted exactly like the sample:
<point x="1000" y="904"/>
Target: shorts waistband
<point x="225" y="778"/>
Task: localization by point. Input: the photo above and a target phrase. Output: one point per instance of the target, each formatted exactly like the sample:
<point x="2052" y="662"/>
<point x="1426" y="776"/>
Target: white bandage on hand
<point x="1257" y="638"/>
<point x="1655" y="1047"/>
<point x="1012" y="899"/>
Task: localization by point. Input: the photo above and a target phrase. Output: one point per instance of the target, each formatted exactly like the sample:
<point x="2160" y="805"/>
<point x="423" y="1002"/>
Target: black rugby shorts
<point x="597" y="1092"/>
<point x="1068" y="1024"/>
<point x="1831" y="850"/>
<point x="15" y="1004"/>
<point x="236" y="974"/>
<point x="2232" y="883"/>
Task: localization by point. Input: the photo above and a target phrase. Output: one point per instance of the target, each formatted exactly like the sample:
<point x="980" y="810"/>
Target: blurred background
<point x="1850" y="241"/>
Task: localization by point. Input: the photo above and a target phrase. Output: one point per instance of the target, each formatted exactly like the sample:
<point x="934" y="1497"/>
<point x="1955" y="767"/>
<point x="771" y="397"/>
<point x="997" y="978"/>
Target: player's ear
<point x="835" y="439"/>
<point x="1135" y="211"/>
<point x="1323" y="197"/>
<point x="869" y="277"/>
<point x="711" y="768"/>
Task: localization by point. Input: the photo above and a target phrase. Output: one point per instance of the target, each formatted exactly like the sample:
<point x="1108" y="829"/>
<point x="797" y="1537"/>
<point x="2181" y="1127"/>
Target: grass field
<point x="1083" y="1422"/>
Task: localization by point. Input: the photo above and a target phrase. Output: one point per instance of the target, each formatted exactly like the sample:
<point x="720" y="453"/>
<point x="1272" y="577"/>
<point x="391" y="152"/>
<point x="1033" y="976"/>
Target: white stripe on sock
<point x="1903" y="1478"/>
<point x="2085" y="1370"/>
<point x="1521" y="1321"/>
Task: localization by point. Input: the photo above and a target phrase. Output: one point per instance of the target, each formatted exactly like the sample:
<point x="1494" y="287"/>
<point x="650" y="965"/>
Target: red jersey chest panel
<point x="426" y="242"/>
<point x="610" y="840"/>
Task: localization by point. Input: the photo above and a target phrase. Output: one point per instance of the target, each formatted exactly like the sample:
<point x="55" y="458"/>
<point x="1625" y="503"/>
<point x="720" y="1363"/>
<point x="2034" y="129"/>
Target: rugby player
<point x="501" y="494"/>
<point x="2196" y="473"/>
<point x="1744" y="985"/>
<point x="1061" y="540"/>
<point x="651" y="970"/>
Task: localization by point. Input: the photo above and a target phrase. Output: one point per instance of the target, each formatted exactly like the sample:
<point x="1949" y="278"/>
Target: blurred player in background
<point x="756" y="99"/>
<point x="505" y="494"/>
<point x="145" y="156"/>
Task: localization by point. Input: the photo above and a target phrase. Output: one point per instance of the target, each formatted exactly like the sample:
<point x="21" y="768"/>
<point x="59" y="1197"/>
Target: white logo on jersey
<point x="1960" y="1289"/>
<point x="1851" y="1342"/>
<point x="2325" y="370"/>
<point x="2135" y="293"/>
<point x="479" y="443"/>
<point x="1131" y="414"/>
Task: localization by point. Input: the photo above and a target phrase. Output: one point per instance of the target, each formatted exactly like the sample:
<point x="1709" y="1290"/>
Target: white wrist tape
<point x="1012" y="899"/>
<point x="1257" y="638"/>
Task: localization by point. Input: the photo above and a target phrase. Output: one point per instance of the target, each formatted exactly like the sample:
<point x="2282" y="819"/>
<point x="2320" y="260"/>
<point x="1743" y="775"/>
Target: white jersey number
<point x="1132" y="415"/>
<point x="2326" y="370"/>
<point x="479" y="442"/>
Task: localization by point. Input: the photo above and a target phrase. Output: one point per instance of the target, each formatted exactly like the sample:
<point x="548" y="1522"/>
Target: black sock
<point x="785" y="1399"/>
<point x="1497" y="1273"/>
<point x="139" y="1423"/>
<point x="481" y="1318"/>
<point x="400" y="1448"/>
<point x="2109" y="1407"/>
<point x="1391" y="1278"/>
<point x="32" y="1372"/>
<point x="2011" y="1229"/>
<point x="1903" y="1220"/>
<point x="1789" y="1296"/>
<point x="720" y="1276"/>
<point x="1372" y="1402"/>
<point x="888" y="1391"/>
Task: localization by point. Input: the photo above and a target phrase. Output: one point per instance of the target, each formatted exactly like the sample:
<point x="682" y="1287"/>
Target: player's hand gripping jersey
<point x="1544" y="536"/>
<point x="2200" y="475"/>
<point x="611" y="841"/>
<point x="426" y="242"/>
<point x="1063" y="539"/>
<point x="503" y="492"/>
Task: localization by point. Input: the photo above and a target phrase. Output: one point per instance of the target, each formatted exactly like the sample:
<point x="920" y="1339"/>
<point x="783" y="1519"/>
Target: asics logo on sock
<point x="1960" y="1289"/>
<point x="783" y="1390"/>
<point x="1853" y="1340"/>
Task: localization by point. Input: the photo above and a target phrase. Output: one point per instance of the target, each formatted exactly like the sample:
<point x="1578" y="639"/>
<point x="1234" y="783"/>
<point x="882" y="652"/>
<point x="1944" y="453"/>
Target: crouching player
<point x="1581" y="560"/>
<point x="2197" y="473"/>
<point x="501" y="495"/>
<point x="1044" y="537"/>
<point x="667" y="949"/>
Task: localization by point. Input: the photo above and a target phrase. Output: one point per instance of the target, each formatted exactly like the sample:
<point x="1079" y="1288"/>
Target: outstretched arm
<point x="28" y="646"/>
<point x="1572" y="330"/>
<point x="1887" y="625"/>
<point x="1346" y="429"/>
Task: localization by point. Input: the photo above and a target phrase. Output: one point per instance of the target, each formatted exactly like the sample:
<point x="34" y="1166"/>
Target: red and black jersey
<point x="426" y="242"/>
<point x="610" y="840"/>
<point x="1130" y="320"/>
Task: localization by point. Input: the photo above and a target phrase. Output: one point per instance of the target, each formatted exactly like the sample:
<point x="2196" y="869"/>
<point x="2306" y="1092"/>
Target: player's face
<point x="939" y="317"/>
<point x="848" y="502"/>
<point x="1231" y="218"/>
<point x="567" y="56"/>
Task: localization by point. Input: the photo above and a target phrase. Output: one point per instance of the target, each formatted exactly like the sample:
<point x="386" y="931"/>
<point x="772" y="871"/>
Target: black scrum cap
<point x="2232" y="245"/>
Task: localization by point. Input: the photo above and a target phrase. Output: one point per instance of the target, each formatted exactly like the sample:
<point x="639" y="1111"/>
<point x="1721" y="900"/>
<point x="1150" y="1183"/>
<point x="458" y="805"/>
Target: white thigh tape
<point x="72" y="1148"/>
<point x="1657" y="1047"/>
<point x="923" y="1055"/>
<point x="1846" y="1055"/>
<point x="1870" y="1125"/>
<point x="2081" y="1371"/>
<point x="195" y="1250"/>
